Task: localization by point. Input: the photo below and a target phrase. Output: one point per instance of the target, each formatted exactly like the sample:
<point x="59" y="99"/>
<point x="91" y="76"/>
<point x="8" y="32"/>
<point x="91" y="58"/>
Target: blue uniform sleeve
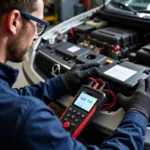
<point x="43" y="130"/>
<point x="129" y="134"/>
<point x="47" y="91"/>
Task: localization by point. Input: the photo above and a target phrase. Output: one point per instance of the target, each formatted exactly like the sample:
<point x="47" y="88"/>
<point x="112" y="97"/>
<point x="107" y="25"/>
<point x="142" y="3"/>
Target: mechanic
<point x="26" y="122"/>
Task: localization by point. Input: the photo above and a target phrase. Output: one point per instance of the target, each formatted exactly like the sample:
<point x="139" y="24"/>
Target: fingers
<point x="141" y="85"/>
<point x="123" y="100"/>
<point x="121" y="97"/>
<point x="87" y="73"/>
<point x="87" y="66"/>
<point x="148" y="85"/>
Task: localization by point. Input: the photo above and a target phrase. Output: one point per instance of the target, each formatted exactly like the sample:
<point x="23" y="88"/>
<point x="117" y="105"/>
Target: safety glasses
<point x="41" y="24"/>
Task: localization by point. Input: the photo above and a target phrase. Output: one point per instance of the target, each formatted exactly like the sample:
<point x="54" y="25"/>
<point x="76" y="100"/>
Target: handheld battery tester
<point x="87" y="101"/>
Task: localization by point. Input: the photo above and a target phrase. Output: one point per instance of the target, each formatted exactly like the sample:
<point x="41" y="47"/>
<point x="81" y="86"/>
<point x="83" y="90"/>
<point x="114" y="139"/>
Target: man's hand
<point x="78" y="75"/>
<point x="140" y="100"/>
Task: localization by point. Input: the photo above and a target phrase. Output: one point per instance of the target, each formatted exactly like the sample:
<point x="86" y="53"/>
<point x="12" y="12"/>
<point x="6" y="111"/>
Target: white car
<point x="116" y="35"/>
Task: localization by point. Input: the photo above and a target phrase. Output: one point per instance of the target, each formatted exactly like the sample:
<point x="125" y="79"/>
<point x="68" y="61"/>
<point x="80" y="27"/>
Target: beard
<point x="18" y="48"/>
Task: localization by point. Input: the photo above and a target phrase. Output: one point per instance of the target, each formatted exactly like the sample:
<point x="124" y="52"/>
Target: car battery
<point x="71" y="50"/>
<point x="55" y="45"/>
<point x="123" y="77"/>
<point x="91" y="57"/>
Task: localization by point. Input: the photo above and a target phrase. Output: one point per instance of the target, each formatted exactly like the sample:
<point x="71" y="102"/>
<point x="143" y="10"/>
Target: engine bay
<point x="123" y="53"/>
<point x="120" y="47"/>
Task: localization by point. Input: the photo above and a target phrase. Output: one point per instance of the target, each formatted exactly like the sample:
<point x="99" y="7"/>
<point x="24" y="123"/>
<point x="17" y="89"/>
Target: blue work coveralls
<point x="27" y="123"/>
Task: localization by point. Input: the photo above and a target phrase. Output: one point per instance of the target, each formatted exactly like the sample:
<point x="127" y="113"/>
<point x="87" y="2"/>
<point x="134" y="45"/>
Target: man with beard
<point x="26" y="122"/>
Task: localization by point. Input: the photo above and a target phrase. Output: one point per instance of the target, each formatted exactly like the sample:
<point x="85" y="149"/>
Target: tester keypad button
<point x="82" y="115"/>
<point x="73" y="124"/>
<point x="70" y="108"/>
<point x="78" y="113"/>
<point x="66" y="119"/>
<point x="76" y="120"/>
<point x="74" y="111"/>
<point x="66" y="125"/>
<point x="68" y="115"/>
<point x="73" y="116"/>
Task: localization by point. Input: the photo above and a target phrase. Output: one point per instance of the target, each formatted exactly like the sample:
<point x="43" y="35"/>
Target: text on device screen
<point x="85" y="101"/>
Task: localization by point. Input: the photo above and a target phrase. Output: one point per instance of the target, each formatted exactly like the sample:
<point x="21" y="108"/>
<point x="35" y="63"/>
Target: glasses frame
<point x="28" y="16"/>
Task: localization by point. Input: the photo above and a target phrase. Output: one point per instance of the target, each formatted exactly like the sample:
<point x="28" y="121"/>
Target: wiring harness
<point x="100" y="85"/>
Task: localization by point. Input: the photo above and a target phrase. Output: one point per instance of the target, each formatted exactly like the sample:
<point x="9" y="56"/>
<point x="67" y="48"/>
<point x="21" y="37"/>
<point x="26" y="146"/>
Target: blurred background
<point x="61" y="10"/>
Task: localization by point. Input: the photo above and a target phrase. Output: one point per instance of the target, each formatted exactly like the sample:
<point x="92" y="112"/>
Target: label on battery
<point x="73" y="49"/>
<point x="120" y="73"/>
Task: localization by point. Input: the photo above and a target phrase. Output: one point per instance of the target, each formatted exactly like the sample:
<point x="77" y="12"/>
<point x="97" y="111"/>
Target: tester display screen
<point x="85" y="101"/>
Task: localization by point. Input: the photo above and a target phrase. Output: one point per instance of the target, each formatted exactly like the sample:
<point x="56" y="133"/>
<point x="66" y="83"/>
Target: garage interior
<point x="114" y="33"/>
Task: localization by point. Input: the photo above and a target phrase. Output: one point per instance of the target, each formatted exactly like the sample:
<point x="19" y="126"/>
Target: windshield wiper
<point x="123" y="5"/>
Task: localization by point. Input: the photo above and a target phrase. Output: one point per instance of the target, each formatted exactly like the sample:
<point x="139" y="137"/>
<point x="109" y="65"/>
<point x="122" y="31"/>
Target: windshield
<point x="135" y="4"/>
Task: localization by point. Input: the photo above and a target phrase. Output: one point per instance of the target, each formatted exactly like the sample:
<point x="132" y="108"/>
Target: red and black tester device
<point x="77" y="115"/>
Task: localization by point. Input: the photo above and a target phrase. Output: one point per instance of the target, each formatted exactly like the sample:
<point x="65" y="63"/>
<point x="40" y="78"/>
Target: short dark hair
<point x="22" y="5"/>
